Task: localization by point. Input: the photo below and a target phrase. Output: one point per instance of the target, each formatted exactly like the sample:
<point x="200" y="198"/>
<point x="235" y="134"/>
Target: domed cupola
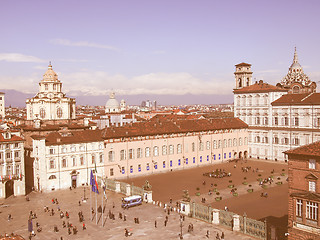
<point x="50" y="75"/>
<point x="112" y="105"/>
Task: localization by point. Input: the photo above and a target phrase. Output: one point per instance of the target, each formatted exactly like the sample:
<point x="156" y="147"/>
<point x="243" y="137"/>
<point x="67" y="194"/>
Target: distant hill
<point x="18" y="99"/>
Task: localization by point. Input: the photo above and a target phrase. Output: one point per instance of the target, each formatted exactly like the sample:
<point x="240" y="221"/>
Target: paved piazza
<point x="113" y="229"/>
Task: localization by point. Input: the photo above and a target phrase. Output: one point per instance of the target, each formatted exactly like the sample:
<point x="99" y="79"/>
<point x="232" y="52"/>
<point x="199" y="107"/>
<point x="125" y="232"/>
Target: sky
<point x="181" y="48"/>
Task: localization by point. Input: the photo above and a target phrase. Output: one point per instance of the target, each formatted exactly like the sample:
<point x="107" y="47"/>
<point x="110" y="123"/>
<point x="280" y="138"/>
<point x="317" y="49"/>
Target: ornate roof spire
<point x="295" y="57"/>
<point x="50" y="66"/>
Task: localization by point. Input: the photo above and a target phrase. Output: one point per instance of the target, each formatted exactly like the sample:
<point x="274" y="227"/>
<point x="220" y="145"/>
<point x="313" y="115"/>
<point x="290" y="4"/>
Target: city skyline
<point x="161" y="49"/>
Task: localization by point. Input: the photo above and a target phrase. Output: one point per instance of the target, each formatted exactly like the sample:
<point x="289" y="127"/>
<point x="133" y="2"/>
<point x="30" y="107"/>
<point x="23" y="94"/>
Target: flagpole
<point x="102" y="208"/>
<point x="96" y="209"/>
<point x="90" y="203"/>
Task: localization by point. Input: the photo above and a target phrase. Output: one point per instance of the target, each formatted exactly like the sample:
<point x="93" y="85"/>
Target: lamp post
<point x="181" y="237"/>
<point x="84" y="192"/>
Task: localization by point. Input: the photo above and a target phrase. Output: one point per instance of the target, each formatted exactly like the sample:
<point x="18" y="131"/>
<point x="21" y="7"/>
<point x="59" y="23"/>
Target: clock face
<point x="50" y="95"/>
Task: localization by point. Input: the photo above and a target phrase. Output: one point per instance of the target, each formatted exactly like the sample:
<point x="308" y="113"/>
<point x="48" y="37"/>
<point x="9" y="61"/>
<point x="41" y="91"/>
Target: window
<point x="131" y="169"/>
<point x="93" y="157"/>
<point x="8" y="155"/>
<point x="111" y="171"/>
<point x="179" y="148"/>
<point x="59" y="112"/>
<point x="64" y="150"/>
<point x="16" y="154"/>
<point x="200" y="146"/>
<point x="52" y="177"/>
<point x="286" y="141"/>
<point x="74" y="161"/>
<point x="122" y="154"/>
<point x="54" y="87"/>
<point x="81" y="160"/>
<point x="81" y="148"/>
<point x="139" y="153"/>
<point x="219" y="144"/>
<point x="16" y="145"/>
<point x="312" y="164"/>
<point x="296" y="141"/>
<point x="193" y="147"/>
<point x="164" y="150"/>
<point x="312" y="186"/>
<point x="64" y="162"/>
<point x="286" y="121"/>
<point x="51" y="164"/>
<point x="171" y="149"/>
<point x="276" y="140"/>
<point x="312" y="211"/>
<point x="266" y="140"/>
<point x="276" y="121"/>
<point x="155" y="151"/>
<point x="42" y="113"/>
<point x="131" y="153"/>
<point x="147" y="152"/>
<point x="101" y="158"/>
<point x="17" y="170"/>
<point x="9" y="170"/>
<point x="245" y="141"/>
<point x="234" y="142"/>
<point x="296" y="121"/>
<point x="299" y="208"/>
<point x="72" y="148"/>
<point x="258" y="121"/>
<point x="111" y="156"/>
<point x="257" y="139"/>
<point x="139" y="168"/>
<point x="240" y="141"/>
<point x="208" y="145"/>
<point x="51" y="151"/>
<point x="225" y="143"/>
<point x="164" y="164"/>
<point x="147" y="167"/>
<point x="214" y="144"/>
<point x="266" y="122"/>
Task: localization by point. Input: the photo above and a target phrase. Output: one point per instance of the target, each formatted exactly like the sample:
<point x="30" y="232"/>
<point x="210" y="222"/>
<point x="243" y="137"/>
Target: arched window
<point x="179" y="148"/>
<point x="52" y="177"/>
<point x="101" y="157"/>
<point x="42" y="113"/>
<point x="234" y="142"/>
<point x="64" y="162"/>
<point x="111" y="156"/>
<point x="171" y="149"/>
<point x="131" y="153"/>
<point x="139" y="153"/>
<point x="155" y="151"/>
<point x="193" y="147"/>
<point x="93" y="157"/>
<point x="208" y="145"/>
<point x="147" y="152"/>
<point x="164" y="150"/>
<point x="214" y="144"/>
<point x="59" y="112"/>
<point x="230" y="143"/>
<point x="122" y="154"/>
<point x="240" y="141"/>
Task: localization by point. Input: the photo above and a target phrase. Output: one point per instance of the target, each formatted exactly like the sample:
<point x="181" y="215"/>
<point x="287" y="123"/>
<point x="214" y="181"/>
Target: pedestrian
<point x="222" y="236"/>
<point x="84" y="226"/>
<point x="124" y="218"/>
<point x="218" y="237"/>
<point x="165" y="223"/>
<point x="9" y="217"/>
<point x="207" y="235"/>
<point x="155" y="223"/>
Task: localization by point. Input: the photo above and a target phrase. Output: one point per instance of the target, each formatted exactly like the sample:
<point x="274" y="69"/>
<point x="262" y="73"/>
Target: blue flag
<point x="93" y="183"/>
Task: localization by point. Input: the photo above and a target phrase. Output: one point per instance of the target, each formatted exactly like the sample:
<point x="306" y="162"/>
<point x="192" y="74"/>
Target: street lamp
<point x="181" y="237"/>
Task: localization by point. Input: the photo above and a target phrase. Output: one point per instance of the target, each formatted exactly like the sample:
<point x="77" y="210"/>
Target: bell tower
<point x="243" y="75"/>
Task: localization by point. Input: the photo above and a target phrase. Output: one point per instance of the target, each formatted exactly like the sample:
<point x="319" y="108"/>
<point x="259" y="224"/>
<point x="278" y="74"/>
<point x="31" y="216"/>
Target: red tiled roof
<point x="312" y="149"/>
<point x="13" y="138"/>
<point x="84" y="136"/>
<point x="161" y="127"/>
<point x="243" y="64"/>
<point x="298" y="99"/>
<point x="259" y="87"/>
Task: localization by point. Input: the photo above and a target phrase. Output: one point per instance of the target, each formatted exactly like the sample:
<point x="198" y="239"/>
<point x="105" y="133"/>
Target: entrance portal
<point x="74" y="181"/>
<point x="9" y="188"/>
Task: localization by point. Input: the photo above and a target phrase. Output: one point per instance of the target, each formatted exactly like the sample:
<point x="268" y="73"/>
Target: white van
<point x="131" y="201"/>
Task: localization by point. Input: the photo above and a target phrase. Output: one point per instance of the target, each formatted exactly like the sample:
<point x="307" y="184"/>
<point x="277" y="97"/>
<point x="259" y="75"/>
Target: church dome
<point x="50" y="75"/>
<point x="112" y="104"/>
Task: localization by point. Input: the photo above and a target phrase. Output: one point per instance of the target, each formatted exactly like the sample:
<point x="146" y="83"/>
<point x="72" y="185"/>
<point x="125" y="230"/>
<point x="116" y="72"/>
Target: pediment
<point x="311" y="176"/>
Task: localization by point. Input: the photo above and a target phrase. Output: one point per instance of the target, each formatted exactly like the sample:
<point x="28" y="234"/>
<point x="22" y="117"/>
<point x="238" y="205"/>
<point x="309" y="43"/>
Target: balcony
<point x="5" y="178"/>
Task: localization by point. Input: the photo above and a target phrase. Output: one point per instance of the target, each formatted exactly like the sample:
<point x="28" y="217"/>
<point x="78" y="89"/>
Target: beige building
<point x="12" y="177"/>
<point x="50" y="103"/>
<point x="165" y="145"/>
<point x="280" y="117"/>
<point x="65" y="159"/>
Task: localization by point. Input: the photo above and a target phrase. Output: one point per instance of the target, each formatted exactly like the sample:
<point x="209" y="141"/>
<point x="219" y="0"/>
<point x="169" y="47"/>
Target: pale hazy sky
<point x="155" y="47"/>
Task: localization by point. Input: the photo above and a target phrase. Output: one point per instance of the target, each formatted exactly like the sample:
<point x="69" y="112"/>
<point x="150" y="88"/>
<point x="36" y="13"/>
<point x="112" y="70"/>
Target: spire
<point x="50" y="66"/>
<point x="295" y="57"/>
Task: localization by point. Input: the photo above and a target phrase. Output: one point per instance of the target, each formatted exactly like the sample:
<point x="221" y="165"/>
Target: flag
<point x="93" y="183"/>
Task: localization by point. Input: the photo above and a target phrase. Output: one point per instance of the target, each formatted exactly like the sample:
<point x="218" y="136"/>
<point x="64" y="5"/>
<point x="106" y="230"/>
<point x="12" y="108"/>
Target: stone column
<point x="117" y="187"/>
<point x="215" y="216"/>
<point x="236" y="223"/>
<point x="128" y="190"/>
<point x="185" y="208"/>
<point x="147" y="197"/>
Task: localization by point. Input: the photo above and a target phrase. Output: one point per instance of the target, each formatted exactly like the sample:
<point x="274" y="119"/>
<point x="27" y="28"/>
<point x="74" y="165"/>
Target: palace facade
<point x="280" y="117"/>
<point x="165" y="145"/>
